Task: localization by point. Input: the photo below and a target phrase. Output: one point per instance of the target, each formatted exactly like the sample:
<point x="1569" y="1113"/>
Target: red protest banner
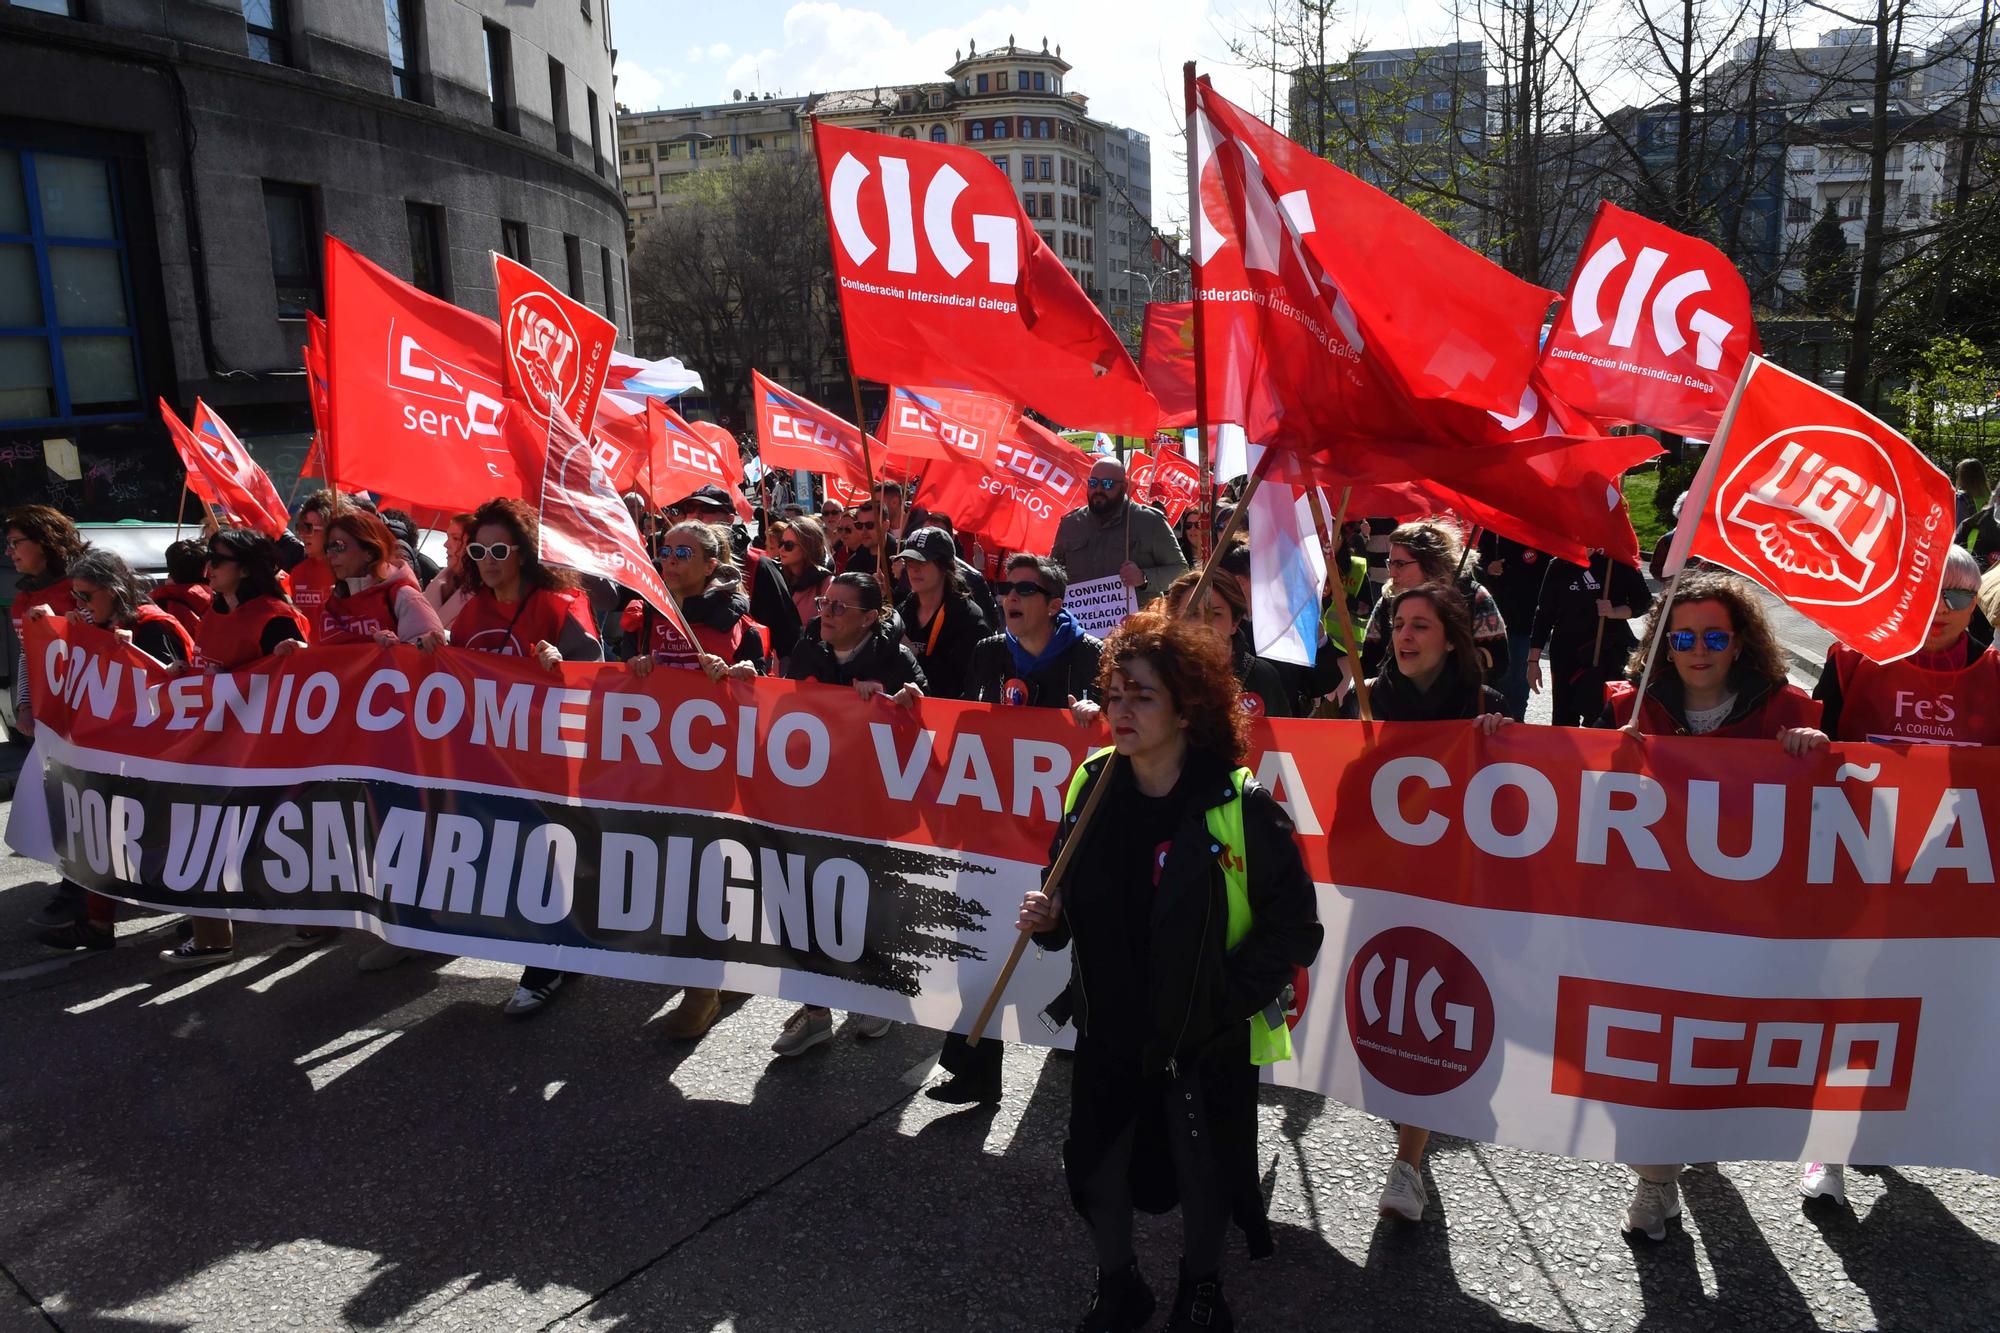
<point x="1667" y="346"/>
<point x="1826" y="506"/>
<point x="944" y="281"/>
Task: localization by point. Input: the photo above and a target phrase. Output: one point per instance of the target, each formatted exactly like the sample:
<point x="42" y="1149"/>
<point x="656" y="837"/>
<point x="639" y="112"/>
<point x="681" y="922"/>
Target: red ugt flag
<point x="556" y="351"/>
<point x="1827" y="507"/>
<point x="1656" y="328"/>
<point x="222" y="471"/>
<point x="797" y="433"/>
<point x="944" y="281"/>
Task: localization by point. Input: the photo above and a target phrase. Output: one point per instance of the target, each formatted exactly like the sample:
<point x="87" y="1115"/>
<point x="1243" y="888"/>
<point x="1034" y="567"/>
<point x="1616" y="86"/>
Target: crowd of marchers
<point x="1174" y="1007"/>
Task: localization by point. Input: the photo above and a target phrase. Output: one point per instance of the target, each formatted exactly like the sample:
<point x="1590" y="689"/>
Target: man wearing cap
<point x="1111" y="535"/>
<point x="771" y="602"/>
<point x="899" y="518"/>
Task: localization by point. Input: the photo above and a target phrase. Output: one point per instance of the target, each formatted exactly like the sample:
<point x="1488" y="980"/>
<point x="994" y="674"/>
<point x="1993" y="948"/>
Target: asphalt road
<point x="287" y="1143"/>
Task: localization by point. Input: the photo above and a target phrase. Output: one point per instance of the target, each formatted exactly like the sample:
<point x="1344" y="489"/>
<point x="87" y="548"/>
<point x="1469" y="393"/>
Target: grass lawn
<point x="1640" y="483"/>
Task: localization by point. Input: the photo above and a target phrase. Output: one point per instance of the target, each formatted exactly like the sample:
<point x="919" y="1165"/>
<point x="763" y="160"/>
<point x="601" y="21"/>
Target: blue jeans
<point x="1514" y="686"/>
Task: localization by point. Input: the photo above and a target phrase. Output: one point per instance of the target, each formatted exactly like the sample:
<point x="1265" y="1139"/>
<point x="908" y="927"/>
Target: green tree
<point x="1948" y="407"/>
<point x="1829" y="271"/>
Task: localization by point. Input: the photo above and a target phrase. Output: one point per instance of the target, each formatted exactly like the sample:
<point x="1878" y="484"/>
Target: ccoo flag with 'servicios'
<point x="1656" y="328"/>
<point x="1827" y="507"/>
<point x="944" y="281"/>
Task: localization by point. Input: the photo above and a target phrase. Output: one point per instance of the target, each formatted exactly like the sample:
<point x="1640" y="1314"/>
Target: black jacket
<point x="882" y="659"/>
<point x="1394" y="697"/>
<point x="1566" y="615"/>
<point x="771" y="603"/>
<point x="947" y="659"/>
<point x="1198" y="993"/>
<point x="1261" y="677"/>
<point x="1072" y="676"/>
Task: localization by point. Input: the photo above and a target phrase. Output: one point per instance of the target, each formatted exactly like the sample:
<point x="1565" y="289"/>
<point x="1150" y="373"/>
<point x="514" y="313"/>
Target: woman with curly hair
<point x="1724" y="676"/>
<point x="1430" y="550"/>
<point x="42" y="543"/>
<point x="1187" y="912"/>
<point x="1224" y="610"/>
<point x="523" y="608"/>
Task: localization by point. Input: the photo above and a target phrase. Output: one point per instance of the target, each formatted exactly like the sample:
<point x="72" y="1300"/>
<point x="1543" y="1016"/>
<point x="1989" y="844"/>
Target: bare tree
<point x="735" y="274"/>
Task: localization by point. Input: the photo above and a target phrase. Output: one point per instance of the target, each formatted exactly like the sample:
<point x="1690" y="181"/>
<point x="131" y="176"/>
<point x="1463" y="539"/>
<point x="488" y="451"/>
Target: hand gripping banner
<point x="1574" y="942"/>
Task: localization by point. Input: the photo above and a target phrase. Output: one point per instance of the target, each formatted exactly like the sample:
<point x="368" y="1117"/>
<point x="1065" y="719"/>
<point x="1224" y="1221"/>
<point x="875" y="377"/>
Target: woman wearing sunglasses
<point x="250" y="617"/>
<point x="375" y="596"/>
<point x="110" y="596"/>
<point x="523" y="608"/>
<point x="448" y="592"/>
<point x="941" y="622"/>
<point x="854" y="648"/>
<point x="801" y="553"/>
<point x="1723" y="675"/>
<point x="697" y="566"/>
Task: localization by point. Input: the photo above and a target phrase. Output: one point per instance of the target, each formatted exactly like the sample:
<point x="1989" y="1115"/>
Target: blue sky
<point x="1127" y="56"/>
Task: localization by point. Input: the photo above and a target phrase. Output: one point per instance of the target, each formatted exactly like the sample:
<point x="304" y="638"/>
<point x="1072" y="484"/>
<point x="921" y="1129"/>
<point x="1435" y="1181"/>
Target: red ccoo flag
<point x="944" y="281"/>
<point x="1656" y="329"/>
<point x="794" y="432"/>
<point x="946" y="423"/>
<point x="1017" y="503"/>
<point x="222" y="472"/>
<point x="1827" y="507"/>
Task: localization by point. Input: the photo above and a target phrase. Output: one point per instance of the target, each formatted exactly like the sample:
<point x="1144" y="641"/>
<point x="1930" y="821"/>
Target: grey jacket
<point x="1091" y="548"/>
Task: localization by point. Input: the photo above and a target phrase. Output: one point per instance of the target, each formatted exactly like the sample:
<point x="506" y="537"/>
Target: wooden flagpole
<point x="1331" y="536"/>
<point x="180" y="514"/>
<point x="1204" y="434"/>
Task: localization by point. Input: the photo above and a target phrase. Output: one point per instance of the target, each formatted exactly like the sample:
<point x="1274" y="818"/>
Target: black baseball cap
<point x="932" y="544"/>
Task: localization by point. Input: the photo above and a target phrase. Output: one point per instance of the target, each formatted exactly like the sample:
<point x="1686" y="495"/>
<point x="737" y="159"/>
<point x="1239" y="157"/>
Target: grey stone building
<point x="168" y="170"/>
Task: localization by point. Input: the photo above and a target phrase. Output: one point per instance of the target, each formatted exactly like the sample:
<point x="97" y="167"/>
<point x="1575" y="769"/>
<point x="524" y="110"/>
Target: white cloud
<point x="640" y="89"/>
<point x="718" y="51"/>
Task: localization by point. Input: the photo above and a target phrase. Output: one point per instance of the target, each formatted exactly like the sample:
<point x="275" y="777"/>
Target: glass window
<point x="978" y="130"/>
<point x="27" y="381"/>
<point x="573" y="253"/>
<point x="75" y="195"/>
<point x="1001" y="162"/>
<point x="982" y="83"/>
<point x="1048" y="168"/>
<point x="1000" y="81"/>
<point x="596" y="131"/>
<point x="499" y="76"/>
<point x="938" y="134"/>
<point x="66" y="8"/>
<point x="604" y="265"/>
<point x="401" y="19"/>
<point x="67" y="344"/>
<point x="514" y="240"/>
<point x="89" y="284"/>
<point x="289" y="220"/>
<point x="1041" y="82"/>
<point x="266" y="31"/>
<point x="427" y="267"/>
<point x="999" y="129"/>
<point x="1440" y="101"/>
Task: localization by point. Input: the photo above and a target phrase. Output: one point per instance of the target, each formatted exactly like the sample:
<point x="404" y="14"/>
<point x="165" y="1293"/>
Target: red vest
<point x="187" y="602"/>
<point x="1781" y="710"/>
<point x="356" y="617"/>
<point x="1911" y="704"/>
<point x="312" y="586"/>
<point x="487" y="626"/>
<point x="230" y="639"/>
<point x="160" y="615"/>
<point x="58" y="597"/>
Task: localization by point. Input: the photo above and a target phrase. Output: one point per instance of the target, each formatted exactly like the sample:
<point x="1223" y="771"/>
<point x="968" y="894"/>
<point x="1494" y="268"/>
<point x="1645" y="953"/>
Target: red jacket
<point x="484" y="625"/>
<point x="1759" y="714"/>
<point x="354" y="617"/>
<point x="230" y="639"/>
<point x="186" y="602"/>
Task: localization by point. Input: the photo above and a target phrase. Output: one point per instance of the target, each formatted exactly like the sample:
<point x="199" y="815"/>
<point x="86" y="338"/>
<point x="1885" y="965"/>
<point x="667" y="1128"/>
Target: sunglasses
<point x="677" y="552"/>
<point x="828" y="607"/>
<point x="1682" y="640"/>
<point x="482" y="551"/>
<point x="864" y="527"/>
<point x="1021" y="588"/>
<point x="309" y="529"/>
<point x="223" y="558"/>
<point x="337" y="547"/>
<point x="1103" y="483"/>
<point x="788" y="545"/>
<point x="1957" y="599"/>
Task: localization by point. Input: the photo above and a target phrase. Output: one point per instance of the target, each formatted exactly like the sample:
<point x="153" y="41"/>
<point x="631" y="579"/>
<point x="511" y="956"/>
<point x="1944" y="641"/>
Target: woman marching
<point x="110" y="596"/>
<point x="374" y="594"/>
<point x="1225" y="608"/>
<point x="523" y="608"/>
<point x="941" y="622"/>
<point x="1432" y="673"/>
<point x="1728" y="679"/>
<point x="249" y="618"/>
<point x="42" y="543"/>
<point x="1187" y="911"/>
<point x="697" y="566"/>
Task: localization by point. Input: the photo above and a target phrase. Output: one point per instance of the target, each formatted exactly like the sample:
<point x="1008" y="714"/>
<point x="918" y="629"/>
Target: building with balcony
<point x="1827" y="165"/>
<point x="168" y="172"/>
<point x="1086" y="184"/>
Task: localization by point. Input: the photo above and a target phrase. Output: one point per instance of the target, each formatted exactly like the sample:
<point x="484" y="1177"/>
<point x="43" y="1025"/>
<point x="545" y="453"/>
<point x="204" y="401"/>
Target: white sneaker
<point x="1654" y="1204"/>
<point x="805" y="1029"/>
<point x="1403" y="1195"/>
<point x="868" y="1027"/>
<point x="1824" y="1180"/>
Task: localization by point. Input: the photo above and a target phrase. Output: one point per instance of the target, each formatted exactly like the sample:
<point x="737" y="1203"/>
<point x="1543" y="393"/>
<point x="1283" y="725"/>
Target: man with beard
<point x="1111" y="535"/>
